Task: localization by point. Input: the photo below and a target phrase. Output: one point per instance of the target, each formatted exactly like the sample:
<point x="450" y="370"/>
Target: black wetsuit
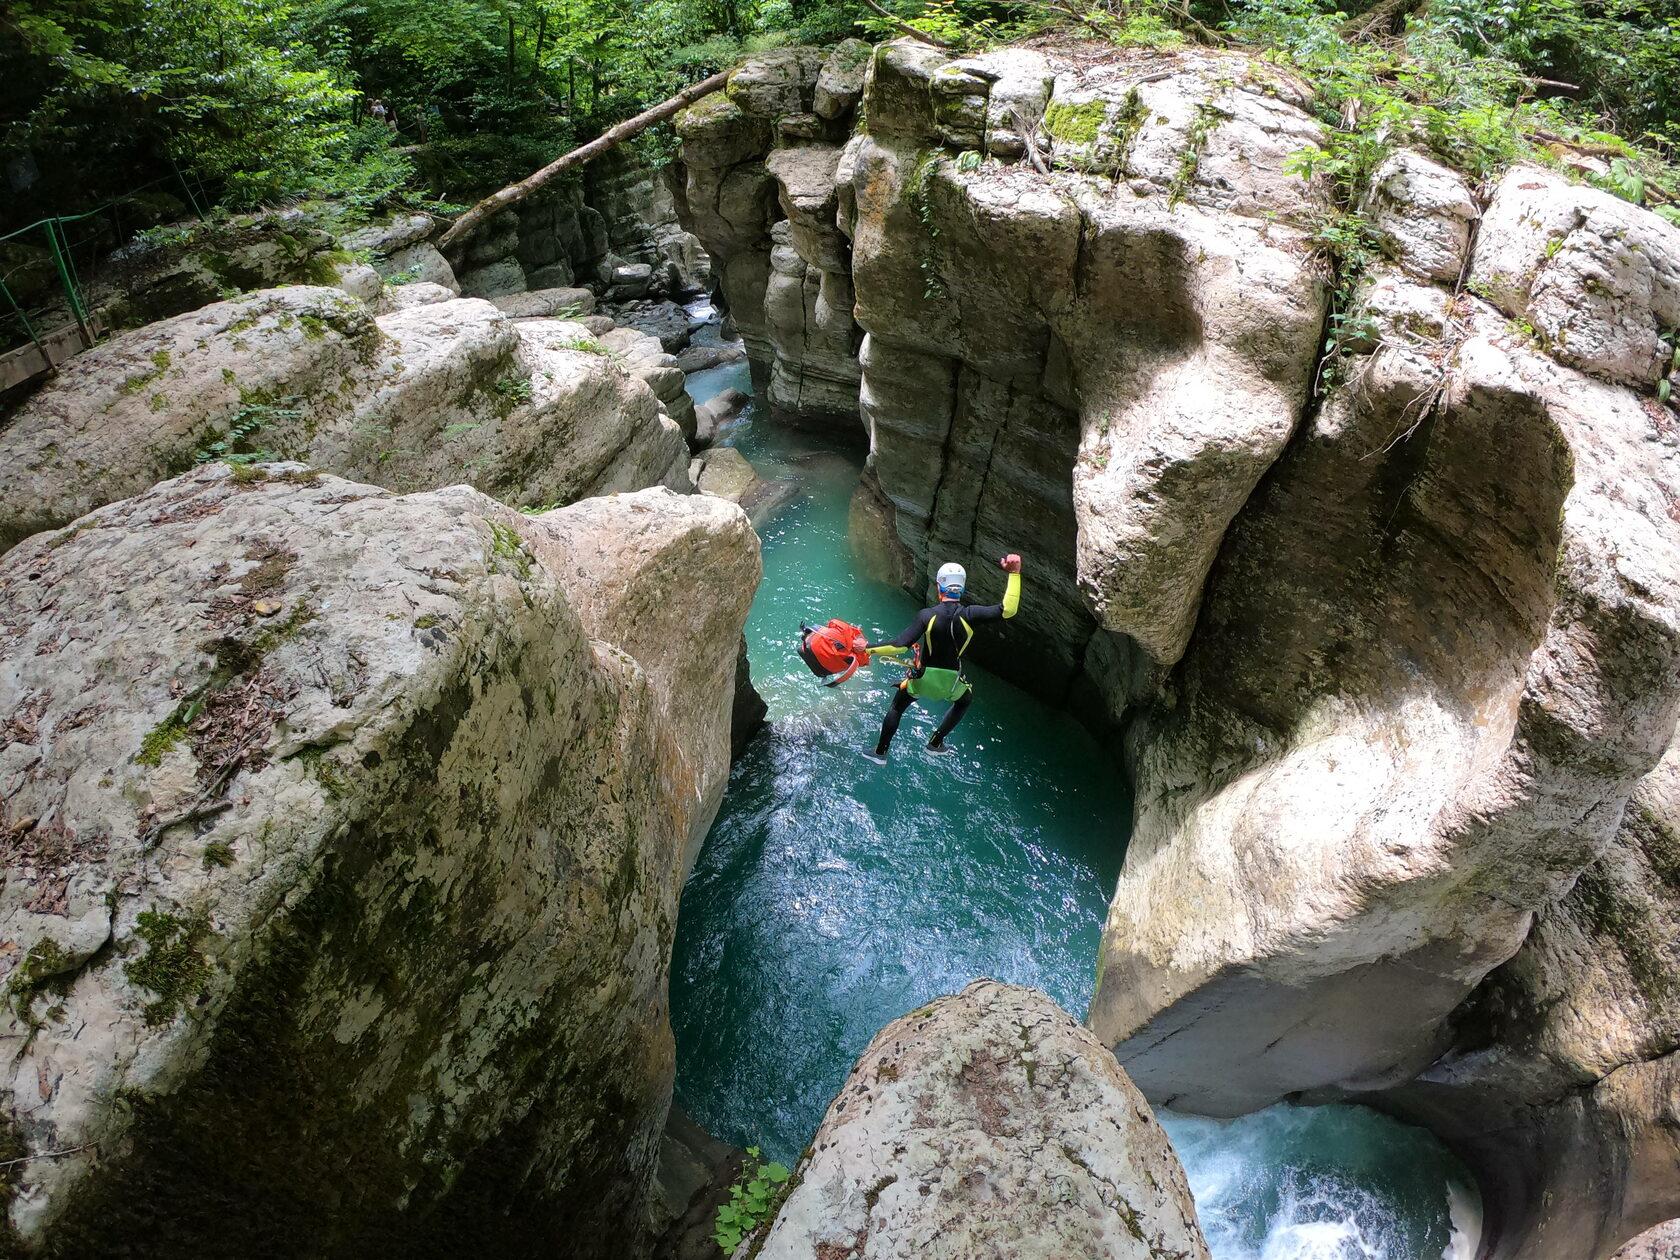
<point x="944" y="632"/>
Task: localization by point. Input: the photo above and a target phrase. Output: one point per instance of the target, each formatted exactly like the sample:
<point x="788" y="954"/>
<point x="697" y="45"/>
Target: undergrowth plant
<point x="232" y="447"/>
<point x="752" y="1200"/>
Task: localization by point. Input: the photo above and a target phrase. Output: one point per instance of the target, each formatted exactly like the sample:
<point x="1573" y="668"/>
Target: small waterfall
<point x="1325" y="1183"/>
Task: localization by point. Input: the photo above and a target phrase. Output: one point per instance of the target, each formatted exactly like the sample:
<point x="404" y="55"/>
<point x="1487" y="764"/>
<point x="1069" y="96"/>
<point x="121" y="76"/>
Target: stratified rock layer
<point x="344" y="835"/>
<point x="989" y="1123"/>
<point x="1147" y="322"/>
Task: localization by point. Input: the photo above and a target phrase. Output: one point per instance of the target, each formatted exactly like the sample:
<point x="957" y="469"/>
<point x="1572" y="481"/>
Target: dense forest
<point x="179" y="105"/>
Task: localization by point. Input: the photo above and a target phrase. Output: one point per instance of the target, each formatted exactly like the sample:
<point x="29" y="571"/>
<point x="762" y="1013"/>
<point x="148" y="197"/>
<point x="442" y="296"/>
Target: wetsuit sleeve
<point x="992" y="612"/>
<point x="910" y="633"/>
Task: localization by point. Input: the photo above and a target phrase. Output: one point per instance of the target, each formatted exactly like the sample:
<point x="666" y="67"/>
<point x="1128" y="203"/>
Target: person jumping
<point x="942" y="634"/>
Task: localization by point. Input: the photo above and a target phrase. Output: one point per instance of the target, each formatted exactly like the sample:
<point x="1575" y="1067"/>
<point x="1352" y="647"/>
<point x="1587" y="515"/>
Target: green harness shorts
<point x="938" y="684"/>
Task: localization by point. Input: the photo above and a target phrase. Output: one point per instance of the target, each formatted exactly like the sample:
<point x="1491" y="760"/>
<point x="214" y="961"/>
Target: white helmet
<point x="952" y="579"/>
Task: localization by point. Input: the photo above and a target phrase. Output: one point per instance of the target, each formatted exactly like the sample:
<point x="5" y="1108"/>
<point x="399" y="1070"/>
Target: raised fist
<point x="1010" y="563"/>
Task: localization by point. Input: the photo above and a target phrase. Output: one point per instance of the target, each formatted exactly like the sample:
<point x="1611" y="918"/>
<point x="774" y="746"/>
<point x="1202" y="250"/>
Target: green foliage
<point x="515" y="388"/>
<point x="246" y="423"/>
<point x="753" y="1200"/>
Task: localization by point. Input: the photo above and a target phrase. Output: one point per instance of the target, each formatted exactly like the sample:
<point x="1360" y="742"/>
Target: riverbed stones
<point x="427" y="395"/>
<point x="994" y="1123"/>
<point x="344" y="838"/>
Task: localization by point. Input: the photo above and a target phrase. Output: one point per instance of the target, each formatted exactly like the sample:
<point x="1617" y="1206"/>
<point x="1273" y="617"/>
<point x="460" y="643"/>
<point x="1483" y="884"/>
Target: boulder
<point x="725" y="473"/>
<point x="840" y="81"/>
<point x="1596" y="277"/>
<point x="664" y="320"/>
<point x="992" y="102"/>
<point x="399" y="297"/>
<point x="359" y="281"/>
<point x="428" y="395"/>
<point x="187" y="265"/>
<point x="717" y="411"/>
<point x="703" y="358"/>
<point x="141" y="404"/>
<point x="557" y="275"/>
<point x="1422" y="212"/>
<point x="622" y="561"/>
<point x="1661" y="1242"/>
<point x="643" y="357"/>
<point x="497" y="279"/>
<point x="389" y="235"/>
<point x="419" y="263"/>
<point x="302" y="896"/>
<point x="545" y="303"/>
<point x="776" y="82"/>
<point x="995" y="1123"/>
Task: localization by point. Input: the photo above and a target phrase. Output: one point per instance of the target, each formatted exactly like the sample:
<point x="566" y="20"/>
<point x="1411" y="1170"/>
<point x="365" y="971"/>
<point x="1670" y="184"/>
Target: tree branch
<point x="909" y="30"/>
<point x="514" y="193"/>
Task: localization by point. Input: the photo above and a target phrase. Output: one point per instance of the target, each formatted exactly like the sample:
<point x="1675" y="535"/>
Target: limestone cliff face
<point x="764" y="174"/>
<point x="1439" y="651"/>
<point x="344" y="836"/>
<point x="616" y="230"/>
<point x="1393" y="632"/>
<point x="995" y="1124"/>
<point x="1143" y="322"/>
<point x="532" y="411"/>
<point x="1563" y="1081"/>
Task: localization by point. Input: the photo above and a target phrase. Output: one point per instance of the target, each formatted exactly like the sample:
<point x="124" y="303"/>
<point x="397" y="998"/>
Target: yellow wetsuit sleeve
<point x="1012" y="595"/>
<point x="887" y="649"/>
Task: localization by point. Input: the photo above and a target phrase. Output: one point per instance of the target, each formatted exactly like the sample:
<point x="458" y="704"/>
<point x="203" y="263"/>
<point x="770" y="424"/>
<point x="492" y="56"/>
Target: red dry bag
<point x="837" y="648"/>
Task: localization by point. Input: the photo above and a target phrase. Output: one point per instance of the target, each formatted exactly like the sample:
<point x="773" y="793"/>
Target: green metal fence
<point x="46" y="314"/>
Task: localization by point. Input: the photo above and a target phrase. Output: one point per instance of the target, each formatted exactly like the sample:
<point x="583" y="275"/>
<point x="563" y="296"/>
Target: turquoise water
<point x="834" y="895"/>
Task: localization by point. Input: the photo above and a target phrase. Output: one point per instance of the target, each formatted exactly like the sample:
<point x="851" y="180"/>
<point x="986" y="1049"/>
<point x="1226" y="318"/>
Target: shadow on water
<point x="834" y="895"/>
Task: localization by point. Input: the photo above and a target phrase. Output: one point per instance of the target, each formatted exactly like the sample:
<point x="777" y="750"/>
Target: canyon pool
<point x="833" y="895"/>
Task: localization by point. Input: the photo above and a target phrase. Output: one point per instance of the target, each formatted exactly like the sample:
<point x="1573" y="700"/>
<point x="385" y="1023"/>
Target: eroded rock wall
<point x="1438" y="652"/>
<point x="1393" y="632"/>
<point x="344" y="835"/>
<point x="764" y="176"/>
<point x="1094" y="360"/>
<point x="1562" y="1086"/>
<point x="993" y="1122"/>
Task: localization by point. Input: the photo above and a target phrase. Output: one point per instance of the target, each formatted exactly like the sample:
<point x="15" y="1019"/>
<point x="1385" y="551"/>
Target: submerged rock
<point x="344" y="832"/>
<point x="994" y="1123"/>
<point x="427" y="395"/>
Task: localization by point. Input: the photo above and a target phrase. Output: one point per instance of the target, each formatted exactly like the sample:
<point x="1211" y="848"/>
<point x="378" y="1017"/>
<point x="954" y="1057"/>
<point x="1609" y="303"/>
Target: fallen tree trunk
<point x="514" y="193"/>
